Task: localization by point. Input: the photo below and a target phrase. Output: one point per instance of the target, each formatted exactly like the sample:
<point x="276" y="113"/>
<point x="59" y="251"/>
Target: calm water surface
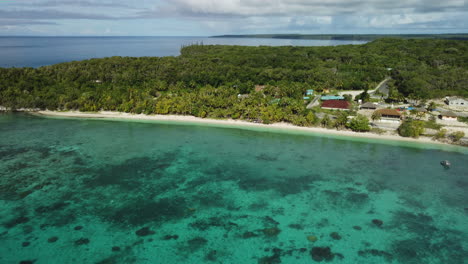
<point x="40" y="51"/>
<point x="83" y="191"/>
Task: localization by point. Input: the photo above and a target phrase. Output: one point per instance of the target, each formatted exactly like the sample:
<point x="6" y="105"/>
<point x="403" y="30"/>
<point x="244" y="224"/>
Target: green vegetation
<point x="356" y="37"/>
<point x="432" y="124"/>
<point x="341" y="120"/>
<point x="377" y="131"/>
<point x="364" y="96"/>
<point x="411" y="128"/>
<point x="463" y="119"/>
<point x="456" y="136"/>
<point x="205" y="81"/>
<point x="441" y="134"/>
<point x="376" y="116"/>
<point x="360" y="124"/>
<point x="326" y="121"/>
<point x="432" y="106"/>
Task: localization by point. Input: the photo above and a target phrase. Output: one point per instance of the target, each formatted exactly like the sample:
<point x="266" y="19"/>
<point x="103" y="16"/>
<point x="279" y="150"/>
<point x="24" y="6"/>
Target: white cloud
<point x="188" y="17"/>
<point x="307" y="7"/>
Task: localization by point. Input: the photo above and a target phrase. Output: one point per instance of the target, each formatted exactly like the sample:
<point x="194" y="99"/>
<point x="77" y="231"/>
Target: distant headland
<point x="357" y="37"/>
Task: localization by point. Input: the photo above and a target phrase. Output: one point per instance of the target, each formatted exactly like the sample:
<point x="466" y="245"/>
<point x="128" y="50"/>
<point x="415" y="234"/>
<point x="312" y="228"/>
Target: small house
<point x="331" y="97"/>
<point x="456" y="101"/>
<point x="449" y="116"/>
<point x="310" y="92"/>
<point x="369" y="106"/>
<point x="389" y="115"/>
<point x="259" y="88"/>
<point x="336" y="105"/>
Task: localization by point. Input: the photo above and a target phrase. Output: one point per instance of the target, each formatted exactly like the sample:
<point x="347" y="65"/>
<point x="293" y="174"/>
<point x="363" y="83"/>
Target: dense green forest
<point x="356" y="37"/>
<point x="205" y="80"/>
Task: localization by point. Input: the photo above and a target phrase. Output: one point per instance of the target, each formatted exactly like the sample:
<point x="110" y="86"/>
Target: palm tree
<point x="432" y="106"/>
<point x="376" y="116"/>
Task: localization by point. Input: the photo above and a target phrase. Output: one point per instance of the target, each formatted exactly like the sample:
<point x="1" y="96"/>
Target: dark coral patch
<point x="82" y="241"/>
<point x="377" y="222"/>
<point x="145" y="231"/>
<point x="447" y="249"/>
<point x="296" y="226"/>
<point x="271" y="231"/>
<point x="248" y="234"/>
<point x="115" y="249"/>
<point x="215" y="221"/>
<point x="196" y="243"/>
<point x="169" y="237"/>
<point x="346" y="198"/>
<point x="51" y="208"/>
<point x="128" y="174"/>
<point x="282" y="185"/>
<point x="212" y="255"/>
<point x="274" y="259"/>
<point x="16" y="221"/>
<point x="27" y="262"/>
<point x="266" y="157"/>
<point x="376" y="253"/>
<point x="52" y="239"/>
<point x="109" y="260"/>
<point x="420" y="224"/>
<point x="321" y="254"/>
<point x="335" y="236"/>
<point x="143" y="211"/>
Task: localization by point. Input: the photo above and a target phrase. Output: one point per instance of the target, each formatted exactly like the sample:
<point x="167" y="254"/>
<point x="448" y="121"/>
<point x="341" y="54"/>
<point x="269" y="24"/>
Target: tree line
<point x="206" y="80"/>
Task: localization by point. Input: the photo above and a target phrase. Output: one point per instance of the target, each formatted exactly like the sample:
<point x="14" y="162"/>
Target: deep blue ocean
<point x="41" y="51"/>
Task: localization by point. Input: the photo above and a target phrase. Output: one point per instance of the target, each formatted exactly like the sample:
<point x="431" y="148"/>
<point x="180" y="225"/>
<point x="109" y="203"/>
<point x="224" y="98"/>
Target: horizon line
<point x="249" y="34"/>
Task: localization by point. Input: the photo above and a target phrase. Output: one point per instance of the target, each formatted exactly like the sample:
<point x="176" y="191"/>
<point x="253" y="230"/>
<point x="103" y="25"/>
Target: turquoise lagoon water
<point x="87" y="191"/>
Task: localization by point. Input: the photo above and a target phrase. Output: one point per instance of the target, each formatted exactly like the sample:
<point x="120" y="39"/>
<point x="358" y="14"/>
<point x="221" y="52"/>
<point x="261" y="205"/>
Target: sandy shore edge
<point x="230" y="122"/>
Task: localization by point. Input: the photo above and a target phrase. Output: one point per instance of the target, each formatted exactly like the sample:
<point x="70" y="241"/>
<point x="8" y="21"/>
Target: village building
<point x="259" y="88"/>
<point x="389" y="115"/>
<point x="449" y="116"/>
<point x="369" y="106"/>
<point x="456" y="101"/>
<point x="331" y="97"/>
<point x="336" y="105"/>
<point x="243" y="96"/>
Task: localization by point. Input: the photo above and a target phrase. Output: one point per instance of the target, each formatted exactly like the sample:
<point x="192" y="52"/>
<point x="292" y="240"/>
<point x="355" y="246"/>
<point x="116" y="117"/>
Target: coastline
<point x="109" y="115"/>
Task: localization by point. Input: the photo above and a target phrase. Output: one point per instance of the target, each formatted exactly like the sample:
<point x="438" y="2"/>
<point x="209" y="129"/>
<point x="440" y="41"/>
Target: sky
<point x="218" y="17"/>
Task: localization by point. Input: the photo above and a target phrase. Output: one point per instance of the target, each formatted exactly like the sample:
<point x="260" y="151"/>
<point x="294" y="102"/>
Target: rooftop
<point x="449" y="114"/>
<point x="331" y="97"/>
<point x="369" y="105"/>
<point x="389" y="112"/>
<point x="338" y="104"/>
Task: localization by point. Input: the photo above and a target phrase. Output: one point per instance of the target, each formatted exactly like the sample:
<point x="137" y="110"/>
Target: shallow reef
<point x="82" y="191"/>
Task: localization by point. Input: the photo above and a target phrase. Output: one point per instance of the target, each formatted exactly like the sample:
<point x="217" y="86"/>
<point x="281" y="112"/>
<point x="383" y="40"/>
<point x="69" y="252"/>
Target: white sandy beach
<point x="231" y="122"/>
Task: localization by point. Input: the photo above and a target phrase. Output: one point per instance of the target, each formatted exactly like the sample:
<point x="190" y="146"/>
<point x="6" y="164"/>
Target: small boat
<point x="446" y="164"/>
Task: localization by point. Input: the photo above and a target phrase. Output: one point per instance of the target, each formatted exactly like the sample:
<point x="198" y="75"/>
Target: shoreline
<point x="109" y="115"/>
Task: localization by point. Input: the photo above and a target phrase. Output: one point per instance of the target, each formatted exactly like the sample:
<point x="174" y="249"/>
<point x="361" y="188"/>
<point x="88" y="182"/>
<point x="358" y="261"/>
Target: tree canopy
<point x="205" y="80"/>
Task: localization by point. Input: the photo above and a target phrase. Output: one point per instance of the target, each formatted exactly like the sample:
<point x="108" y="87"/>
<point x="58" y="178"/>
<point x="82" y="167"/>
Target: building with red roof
<point x="336" y="105"/>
